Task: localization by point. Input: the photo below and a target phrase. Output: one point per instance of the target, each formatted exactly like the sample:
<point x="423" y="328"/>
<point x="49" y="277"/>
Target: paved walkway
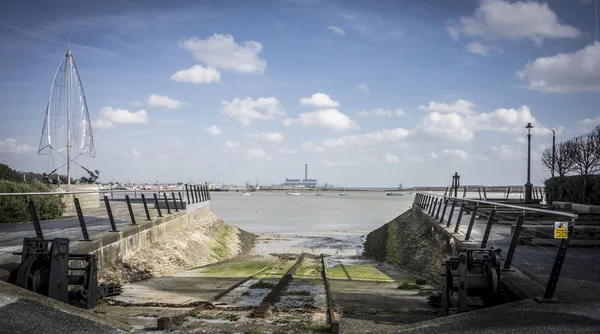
<point x="580" y="276"/>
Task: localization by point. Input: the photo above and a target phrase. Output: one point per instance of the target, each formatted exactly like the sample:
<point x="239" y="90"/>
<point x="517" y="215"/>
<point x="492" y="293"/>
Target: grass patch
<point x="245" y="293"/>
<point x="358" y="272"/>
<point x="277" y="270"/>
<point x="408" y="286"/>
<point x="217" y="315"/>
<point x="298" y="293"/>
<point x="219" y="246"/>
<point x="262" y="285"/>
<point x="318" y="328"/>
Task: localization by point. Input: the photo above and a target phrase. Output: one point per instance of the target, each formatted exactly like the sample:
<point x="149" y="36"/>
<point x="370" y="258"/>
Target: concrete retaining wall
<point x="112" y="247"/>
<point x="412" y="242"/>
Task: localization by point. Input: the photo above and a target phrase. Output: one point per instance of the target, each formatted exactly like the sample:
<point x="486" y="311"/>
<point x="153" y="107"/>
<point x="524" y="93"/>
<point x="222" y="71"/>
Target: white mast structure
<point x="73" y="128"/>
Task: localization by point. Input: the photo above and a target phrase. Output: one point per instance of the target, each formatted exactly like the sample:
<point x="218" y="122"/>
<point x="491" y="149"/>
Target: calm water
<point x="277" y="212"/>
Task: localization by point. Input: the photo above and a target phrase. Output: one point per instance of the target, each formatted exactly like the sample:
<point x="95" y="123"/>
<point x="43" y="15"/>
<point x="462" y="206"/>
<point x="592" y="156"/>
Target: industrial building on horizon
<point x="306" y="182"/>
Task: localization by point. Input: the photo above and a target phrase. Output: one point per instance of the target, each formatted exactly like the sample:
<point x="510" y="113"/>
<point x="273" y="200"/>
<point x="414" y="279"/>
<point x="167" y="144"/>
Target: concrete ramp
<point x="518" y="317"/>
<point x="23" y="311"/>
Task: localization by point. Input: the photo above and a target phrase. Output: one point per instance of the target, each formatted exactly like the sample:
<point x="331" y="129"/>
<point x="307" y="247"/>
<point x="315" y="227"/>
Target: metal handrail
<point x="48" y="193"/>
<point x="557" y="213"/>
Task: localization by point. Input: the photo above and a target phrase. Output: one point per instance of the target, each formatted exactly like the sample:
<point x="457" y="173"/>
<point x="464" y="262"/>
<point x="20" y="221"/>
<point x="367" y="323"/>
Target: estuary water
<point x="276" y="212"/>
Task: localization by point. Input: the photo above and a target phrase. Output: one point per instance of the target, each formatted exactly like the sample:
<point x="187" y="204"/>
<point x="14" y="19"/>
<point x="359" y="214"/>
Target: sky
<point x="366" y="93"/>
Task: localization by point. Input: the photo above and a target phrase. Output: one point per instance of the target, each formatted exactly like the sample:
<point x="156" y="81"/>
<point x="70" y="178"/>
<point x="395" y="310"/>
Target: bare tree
<point x="585" y="154"/>
<point x="563" y="163"/>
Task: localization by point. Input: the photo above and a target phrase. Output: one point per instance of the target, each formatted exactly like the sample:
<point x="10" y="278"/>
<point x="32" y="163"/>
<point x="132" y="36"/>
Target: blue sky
<point x="366" y="93"/>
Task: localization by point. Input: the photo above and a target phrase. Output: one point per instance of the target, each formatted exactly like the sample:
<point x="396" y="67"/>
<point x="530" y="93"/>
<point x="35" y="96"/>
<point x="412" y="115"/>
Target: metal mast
<point x="68" y="118"/>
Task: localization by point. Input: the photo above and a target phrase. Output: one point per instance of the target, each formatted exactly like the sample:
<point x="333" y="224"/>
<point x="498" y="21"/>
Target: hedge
<point x="15" y="209"/>
<point x="570" y="189"/>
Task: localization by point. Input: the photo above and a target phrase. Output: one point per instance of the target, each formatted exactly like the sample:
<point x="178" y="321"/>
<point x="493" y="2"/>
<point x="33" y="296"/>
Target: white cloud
<point x="110" y="117"/>
<point x="459" y="154"/>
<point x="379" y="112"/>
<point x="256" y="153"/>
<point x="132" y="154"/>
<point x="245" y="110"/>
<point x="287" y="151"/>
<point x="436" y="126"/>
<point x="197" y="74"/>
<point x="231" y="144"/>
<point x="337" y="30"/>
<point x="481" y="49"/>
<point x="330" y="119"/>
<point x="222" y="52"/>
<point x="566" y="72"/>
<point x="213" y="130"/>
<point x="272" y="137"/>
<point x="377" y="138"/>
<point x="590" y="121"/>
<point x="137" y="103"/>
<point x="163" y="101"/>
<point x="10" y="145"/>
<point x="505" y="152"/>
<point x="342" y="163"/>
<point x="460" y="106"/>
<point x="389" y="158"/>
<point x="522" y="140"/>
<point x="453" y="31"/>
<point x="363" y="87"/>
<point x="433" y="156"/>
<point x="515" y="20"/>
<point x="320" y="100"/>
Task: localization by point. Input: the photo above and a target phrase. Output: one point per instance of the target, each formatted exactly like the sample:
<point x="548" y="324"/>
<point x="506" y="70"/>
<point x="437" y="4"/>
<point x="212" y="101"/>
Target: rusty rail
<point x="335" y="324"/>
<point x="262" y="311"/>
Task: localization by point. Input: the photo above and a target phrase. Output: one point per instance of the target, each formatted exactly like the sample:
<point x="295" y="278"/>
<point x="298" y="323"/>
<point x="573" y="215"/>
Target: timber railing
<point x="527" y="235"/>
<point x="92" y="211"/>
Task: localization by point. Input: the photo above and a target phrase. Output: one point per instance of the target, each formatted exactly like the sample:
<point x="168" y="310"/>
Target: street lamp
<point x="553" y="149"/>
<point x="528" y="185"/>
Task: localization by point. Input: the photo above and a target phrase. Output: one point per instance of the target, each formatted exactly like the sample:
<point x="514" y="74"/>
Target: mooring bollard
<point x="157" y="205"/>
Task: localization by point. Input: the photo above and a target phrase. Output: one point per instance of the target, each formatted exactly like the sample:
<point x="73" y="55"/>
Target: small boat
<point x="343" y="194"/>
<point x="394" y="194"/>
<point x="292" y="193"/>
<point x="318" y="194"/>
<point x="245" y="193"/>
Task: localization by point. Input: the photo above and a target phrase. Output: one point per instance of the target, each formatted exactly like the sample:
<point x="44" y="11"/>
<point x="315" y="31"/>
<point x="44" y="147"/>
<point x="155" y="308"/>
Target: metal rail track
<point x="335" y="324"/>
<point x="262" y="311"/>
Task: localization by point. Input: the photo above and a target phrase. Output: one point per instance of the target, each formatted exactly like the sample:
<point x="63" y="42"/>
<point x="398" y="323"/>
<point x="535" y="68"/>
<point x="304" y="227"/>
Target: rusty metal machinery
<point x="45" y="269"/>
<point x="474" y="273"/>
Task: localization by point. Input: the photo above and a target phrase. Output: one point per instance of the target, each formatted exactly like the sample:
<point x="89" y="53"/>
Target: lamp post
<point x="528" y="185"/>
<point x="553" y="149"/>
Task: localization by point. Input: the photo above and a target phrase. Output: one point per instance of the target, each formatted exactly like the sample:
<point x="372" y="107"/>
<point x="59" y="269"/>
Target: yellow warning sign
<point x="560" y="230"/>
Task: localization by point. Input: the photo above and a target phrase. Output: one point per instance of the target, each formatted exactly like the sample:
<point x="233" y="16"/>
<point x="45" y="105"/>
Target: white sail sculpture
<point x="67" y="130"/>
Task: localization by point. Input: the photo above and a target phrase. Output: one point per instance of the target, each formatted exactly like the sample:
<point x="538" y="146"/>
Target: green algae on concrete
<point x="219" y="246"/>
<point x="237" y="268"/>
<point x="276" y="270"/>
<point x="358" y="272"/>
<point x="310" y="268"/>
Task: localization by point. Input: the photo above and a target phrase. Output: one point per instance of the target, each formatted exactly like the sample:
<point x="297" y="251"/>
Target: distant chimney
<point x="306" y="171"/>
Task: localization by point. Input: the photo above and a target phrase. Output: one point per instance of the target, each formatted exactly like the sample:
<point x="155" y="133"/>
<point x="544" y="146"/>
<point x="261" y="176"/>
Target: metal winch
<point x="474" y="273"/>
<point x="45" y="269"/>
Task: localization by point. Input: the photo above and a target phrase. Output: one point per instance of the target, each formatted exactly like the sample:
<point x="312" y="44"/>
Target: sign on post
<point x="560" y="230"/>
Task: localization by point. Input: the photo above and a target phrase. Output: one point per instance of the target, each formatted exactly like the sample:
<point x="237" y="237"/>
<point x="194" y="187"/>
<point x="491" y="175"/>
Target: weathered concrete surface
<point x="519" y="317"/>
<point x="22" y="311"/>
<point x="412" y="242"/>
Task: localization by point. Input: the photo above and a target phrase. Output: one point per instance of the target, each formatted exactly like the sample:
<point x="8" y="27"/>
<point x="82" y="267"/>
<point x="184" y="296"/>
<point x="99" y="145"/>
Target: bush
<point x="570" y="189"/>
<point x="7" y="173"/>
<point x="15" y="209"/>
